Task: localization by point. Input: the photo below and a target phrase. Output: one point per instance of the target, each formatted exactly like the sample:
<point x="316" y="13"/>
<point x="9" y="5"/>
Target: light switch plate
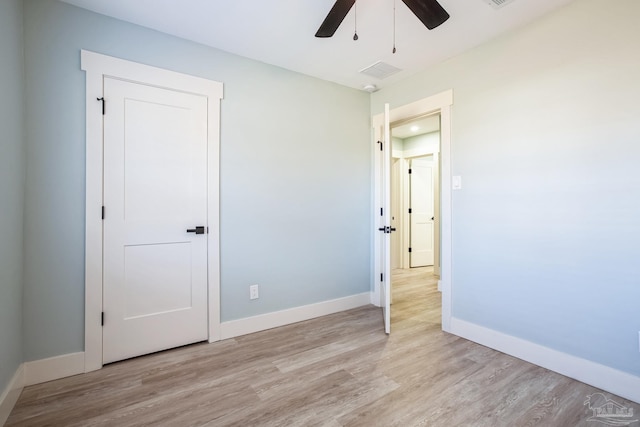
<point x="456" y="182"/>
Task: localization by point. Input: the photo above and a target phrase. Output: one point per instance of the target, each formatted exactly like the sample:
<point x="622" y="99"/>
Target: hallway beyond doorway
<point x="415" y="296"/>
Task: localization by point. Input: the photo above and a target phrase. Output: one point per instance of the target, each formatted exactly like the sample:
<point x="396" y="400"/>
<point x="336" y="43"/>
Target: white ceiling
<point x="281" y="32"/>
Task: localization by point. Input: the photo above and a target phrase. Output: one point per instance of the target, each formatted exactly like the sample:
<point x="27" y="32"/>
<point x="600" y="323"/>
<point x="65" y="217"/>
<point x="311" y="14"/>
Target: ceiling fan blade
<point x="428" y="11"/>
<point x="334" y="18"/>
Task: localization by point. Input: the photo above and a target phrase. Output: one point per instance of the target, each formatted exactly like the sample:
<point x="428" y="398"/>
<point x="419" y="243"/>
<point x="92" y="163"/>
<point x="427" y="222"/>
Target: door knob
<point x="387" y="229"/>
<point x="198" y="230"/>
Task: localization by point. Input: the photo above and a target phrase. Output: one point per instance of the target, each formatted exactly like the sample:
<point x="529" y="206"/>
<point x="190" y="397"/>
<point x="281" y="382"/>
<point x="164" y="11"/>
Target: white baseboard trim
<point x="11" y="393"/>
<point x="249" y="325"/>
<point x="53" y="368"/>
<point x="612" y="380"/>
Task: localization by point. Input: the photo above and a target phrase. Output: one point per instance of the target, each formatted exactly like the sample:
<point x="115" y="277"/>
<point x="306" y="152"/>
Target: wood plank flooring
<point x="338" y="370"/>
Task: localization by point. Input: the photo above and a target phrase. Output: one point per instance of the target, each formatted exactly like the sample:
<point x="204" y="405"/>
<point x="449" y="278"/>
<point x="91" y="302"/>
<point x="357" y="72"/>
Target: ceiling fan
<point x="429" y="12"/>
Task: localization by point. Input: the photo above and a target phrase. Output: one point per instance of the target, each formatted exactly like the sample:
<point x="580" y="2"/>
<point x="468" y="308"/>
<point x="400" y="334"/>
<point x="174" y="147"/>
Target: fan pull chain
<point x="394" y="27"/>
<point x="355" y="20"/>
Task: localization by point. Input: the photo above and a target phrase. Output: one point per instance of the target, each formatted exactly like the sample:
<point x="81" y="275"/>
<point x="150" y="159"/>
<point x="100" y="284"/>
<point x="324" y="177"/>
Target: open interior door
<point x="383" y="215"/>
<point x="386" y="209"/>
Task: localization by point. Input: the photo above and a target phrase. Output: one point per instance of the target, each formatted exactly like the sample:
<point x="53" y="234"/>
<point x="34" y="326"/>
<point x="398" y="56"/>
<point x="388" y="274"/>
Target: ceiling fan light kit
<point x="429" y="12"/>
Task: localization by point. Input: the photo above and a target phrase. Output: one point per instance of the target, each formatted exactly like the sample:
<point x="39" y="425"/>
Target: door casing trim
<point x="96" y="67"/>
<point x="441" y="102"/>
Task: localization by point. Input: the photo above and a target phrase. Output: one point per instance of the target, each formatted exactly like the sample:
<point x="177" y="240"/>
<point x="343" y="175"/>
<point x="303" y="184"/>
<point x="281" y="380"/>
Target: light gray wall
<point x="397" y="145"/>
<point x="295" y="174"/>
<point x="12" y="170"/>
<point x="419" y="145"/>
<point x="546" y="133"/>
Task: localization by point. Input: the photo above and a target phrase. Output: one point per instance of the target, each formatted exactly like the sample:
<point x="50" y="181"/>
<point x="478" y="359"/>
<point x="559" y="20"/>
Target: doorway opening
<point x="415" y="215"/>
<point x="441" y="104"/>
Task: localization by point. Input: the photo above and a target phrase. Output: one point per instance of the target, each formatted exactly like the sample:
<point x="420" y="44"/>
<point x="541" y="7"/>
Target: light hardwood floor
<point x="339" y="370"/>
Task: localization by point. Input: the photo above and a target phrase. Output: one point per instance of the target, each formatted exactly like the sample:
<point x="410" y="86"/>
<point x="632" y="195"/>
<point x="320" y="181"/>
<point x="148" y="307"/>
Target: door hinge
<point x="409" y="210"/>
<point x="103" y="212"/>
<point x="102" y="319"/>
<point x="380" y="142"/>
<point x="409" y="171"/>
<point x="103" y="104"/>
<point x="409" y="249"/>
<point x="381" y="212"/>
<point x="381" y="277"/>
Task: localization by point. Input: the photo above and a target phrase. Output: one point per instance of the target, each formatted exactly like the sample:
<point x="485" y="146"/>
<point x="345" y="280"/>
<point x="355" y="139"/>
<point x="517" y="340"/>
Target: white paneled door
<point x="155" y="241"/>
<point x="422" y="211"/>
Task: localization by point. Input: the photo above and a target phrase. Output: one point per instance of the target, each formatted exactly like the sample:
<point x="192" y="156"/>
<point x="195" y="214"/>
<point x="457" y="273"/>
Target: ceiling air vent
<point x="380" y="70"/>
<point x="497" y="4"/>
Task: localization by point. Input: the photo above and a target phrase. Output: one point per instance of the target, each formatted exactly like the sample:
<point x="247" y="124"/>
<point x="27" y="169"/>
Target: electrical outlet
<point x="253" y="292"/>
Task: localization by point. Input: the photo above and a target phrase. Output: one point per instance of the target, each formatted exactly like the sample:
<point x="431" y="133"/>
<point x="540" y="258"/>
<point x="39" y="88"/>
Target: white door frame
<point x="441" y="102"/>
<point x="98" y="66"/>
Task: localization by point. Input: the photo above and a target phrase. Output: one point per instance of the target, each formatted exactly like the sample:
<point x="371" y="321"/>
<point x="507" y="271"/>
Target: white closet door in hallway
<point x="422" y="211"/>
<point x="155" y="197"/>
